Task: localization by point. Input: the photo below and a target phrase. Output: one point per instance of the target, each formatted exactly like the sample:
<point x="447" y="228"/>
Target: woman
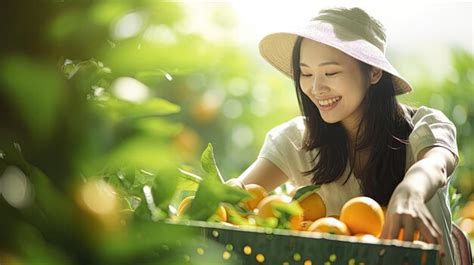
<point x="353" y="137"/>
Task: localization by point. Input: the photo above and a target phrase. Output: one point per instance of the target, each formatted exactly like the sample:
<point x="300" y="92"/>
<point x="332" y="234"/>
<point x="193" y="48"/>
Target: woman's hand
<point x="234" y="182"/>
<point x="407" y="210"/>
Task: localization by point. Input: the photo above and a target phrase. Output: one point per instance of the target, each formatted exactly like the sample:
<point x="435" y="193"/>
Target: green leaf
<point x="190" y="176"/>
<point x="164" y="187"/>
<point x="186" y="186"/>
<point x="188" y="181"/>
<point x="292" y="208"/>
<point x="156" y="212"/>
<point x="454" y="199"/>
<point x="209" y="165"/>
<point x="305" y="191"/>
<point x="234" y="215"/>
<point x="142" y="177"/>
<point x="212" y="191"/>
<point x="142" y="152"/>
<point x="209" y="195"/>
<point x="142" y="212"/>
<point x="35" y="91"/>
<point x="284" y="212"/>
<point x="270" y="222"/>
<point x="152" y="107"/>
<point x="158" y="127"/>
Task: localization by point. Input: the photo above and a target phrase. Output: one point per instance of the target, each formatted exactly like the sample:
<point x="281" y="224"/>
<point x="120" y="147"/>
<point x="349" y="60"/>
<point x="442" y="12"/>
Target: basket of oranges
<point x="294" y="229"/>
<point x="254" y="226"/>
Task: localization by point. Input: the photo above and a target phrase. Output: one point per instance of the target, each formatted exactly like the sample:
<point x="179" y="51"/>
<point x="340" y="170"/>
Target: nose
<point x="318" y="87"/>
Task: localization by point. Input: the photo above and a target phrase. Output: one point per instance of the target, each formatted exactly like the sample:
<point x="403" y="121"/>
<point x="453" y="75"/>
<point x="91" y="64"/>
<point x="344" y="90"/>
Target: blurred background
<point x="99" y="99"/>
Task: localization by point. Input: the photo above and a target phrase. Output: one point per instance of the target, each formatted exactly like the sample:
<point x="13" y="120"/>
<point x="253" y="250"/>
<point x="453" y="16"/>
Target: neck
<point x="351" y="126"/>
<point x="351" y="132"/>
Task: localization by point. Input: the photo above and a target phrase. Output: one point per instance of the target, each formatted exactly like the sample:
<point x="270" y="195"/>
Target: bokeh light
<point x="128" y="25"/>
<point x="16" y="188"/>
<point x="99" y="198"/>
<point x="130" y="89"/>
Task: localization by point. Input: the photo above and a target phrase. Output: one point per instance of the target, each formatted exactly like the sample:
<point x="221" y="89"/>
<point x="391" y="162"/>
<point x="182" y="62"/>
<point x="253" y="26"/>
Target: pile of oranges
<point x="361" y="216"/>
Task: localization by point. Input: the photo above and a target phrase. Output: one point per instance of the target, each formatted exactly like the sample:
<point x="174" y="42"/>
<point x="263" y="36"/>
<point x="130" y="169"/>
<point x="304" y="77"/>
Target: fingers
<point x="426" y="226"/>
<point x="407" y="218"/>
<point x="385" y="230"/>
<point x="235" y="183"/>
<point x="408" y="228"/>
<point x="431" y="233"/>
<point x="394" y="228"/>
<point x="391" y="227"/>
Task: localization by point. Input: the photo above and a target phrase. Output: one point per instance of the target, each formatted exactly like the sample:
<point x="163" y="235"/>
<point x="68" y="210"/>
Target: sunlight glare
<point x="130" y="89"/>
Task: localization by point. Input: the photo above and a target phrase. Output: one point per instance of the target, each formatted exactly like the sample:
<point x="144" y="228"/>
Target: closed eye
<point x="331" y="74"/>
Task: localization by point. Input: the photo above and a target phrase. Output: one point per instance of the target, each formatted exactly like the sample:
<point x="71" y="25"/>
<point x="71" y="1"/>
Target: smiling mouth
<point x="328" y="102"/>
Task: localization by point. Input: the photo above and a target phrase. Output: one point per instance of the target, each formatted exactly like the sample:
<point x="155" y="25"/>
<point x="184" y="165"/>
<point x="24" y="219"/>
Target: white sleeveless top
<point x="283" y="144"/>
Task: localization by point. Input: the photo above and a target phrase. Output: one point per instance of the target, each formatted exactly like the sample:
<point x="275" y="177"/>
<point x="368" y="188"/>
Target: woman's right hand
<point x="262" y="172"/>
<point x="234" y="182"/>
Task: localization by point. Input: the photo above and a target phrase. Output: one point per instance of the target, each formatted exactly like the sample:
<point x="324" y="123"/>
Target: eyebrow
<point x="321" y="64"/>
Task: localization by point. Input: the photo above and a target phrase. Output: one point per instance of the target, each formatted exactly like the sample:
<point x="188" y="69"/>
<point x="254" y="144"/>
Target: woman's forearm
<point x="424" y="178"/>
<point x="429" y="173"/>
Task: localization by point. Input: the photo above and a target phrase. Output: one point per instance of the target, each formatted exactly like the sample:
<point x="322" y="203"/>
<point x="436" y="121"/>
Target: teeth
<point x="330" y="101"/>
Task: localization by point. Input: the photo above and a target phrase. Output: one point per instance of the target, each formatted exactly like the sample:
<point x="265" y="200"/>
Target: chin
<point x="330" y="120"/>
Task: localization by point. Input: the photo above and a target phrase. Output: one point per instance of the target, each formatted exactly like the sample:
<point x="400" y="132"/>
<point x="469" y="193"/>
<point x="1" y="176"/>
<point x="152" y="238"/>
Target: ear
<point x="375" y="75"/>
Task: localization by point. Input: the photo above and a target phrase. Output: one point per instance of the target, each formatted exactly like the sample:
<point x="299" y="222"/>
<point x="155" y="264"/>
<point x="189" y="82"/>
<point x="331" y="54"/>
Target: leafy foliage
<point x="212" y="191"/>
<point x="89" y="106"/>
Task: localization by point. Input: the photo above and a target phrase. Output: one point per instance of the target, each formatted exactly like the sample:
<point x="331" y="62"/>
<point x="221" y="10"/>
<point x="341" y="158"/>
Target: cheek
<point x="305" y="87"/>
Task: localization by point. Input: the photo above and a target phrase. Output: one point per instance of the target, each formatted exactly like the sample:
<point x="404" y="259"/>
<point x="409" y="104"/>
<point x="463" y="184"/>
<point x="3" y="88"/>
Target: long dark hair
<point x="384" y="130"/>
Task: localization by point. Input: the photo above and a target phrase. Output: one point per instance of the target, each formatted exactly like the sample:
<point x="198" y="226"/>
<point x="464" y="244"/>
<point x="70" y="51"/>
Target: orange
<point x="467" y="225"/>
<point x="384" y="210"/>
<point x="304" y="225"/>
<point x="363" y="215"/>
<point x="313" y="207"/>
<point x="184" y="205"/>
<point x="221" y="213"/>
<point x="235" y="217"/>
<point x="187" y="142"/>
<point x="265" y="209"/>
<point x="367" y="238"/>
<point x="329" y="225"/>
<point x="227" y="224"/>
<point x="292" y="193"/>
<point x="295" y="222"/>
<point x="467" y="211"/>
<point x="258" y="193"/>
<point x="401" y="235"/>
<point x="205" y="110"/>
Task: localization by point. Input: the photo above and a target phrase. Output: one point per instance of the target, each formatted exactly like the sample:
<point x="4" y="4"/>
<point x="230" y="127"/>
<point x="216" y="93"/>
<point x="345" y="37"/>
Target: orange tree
<point x="88" y="134"/>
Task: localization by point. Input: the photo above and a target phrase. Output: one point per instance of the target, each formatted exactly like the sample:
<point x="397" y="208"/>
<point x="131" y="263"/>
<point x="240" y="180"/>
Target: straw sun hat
<point x="351" y="31"/>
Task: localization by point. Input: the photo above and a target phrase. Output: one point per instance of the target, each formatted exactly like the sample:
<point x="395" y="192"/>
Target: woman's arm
<point x="262" y="172"/>
<point x="431" y="171"/>
<point x="407" y="207"/>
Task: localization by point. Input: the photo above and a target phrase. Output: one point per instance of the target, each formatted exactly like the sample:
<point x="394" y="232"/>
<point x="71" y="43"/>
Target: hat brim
<point x="277" y="49"/>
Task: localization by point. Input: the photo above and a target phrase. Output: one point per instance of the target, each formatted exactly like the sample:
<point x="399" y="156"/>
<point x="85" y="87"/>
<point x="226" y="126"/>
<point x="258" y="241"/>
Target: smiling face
<point x="335" y="83"/>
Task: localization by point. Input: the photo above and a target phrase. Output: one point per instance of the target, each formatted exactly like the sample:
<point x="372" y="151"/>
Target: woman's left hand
<point x="407" y="210"/>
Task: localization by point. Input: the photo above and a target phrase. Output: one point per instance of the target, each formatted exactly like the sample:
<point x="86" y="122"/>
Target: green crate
<point x="277" y="246"/>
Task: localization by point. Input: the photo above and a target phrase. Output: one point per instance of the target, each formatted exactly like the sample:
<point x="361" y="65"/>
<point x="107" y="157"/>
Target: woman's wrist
<point x="408" y="190"/>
